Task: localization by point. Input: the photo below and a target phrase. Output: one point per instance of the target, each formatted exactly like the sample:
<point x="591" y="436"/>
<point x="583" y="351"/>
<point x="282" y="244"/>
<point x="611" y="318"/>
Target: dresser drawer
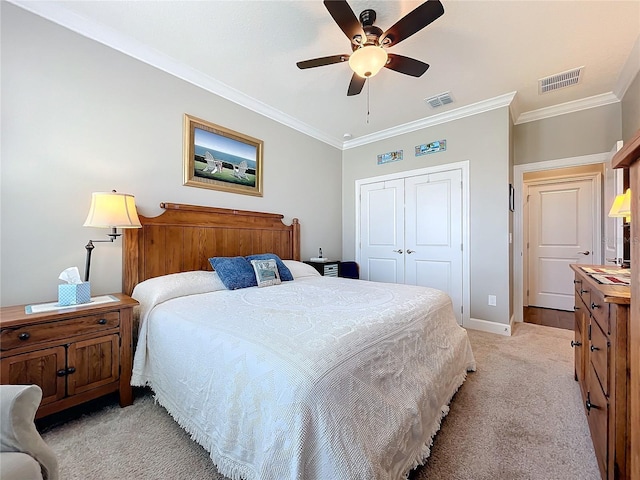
<point x="598" y="417"/>
<point x="600" y="310"/>
<point x="600" y="356"/>
<point x="27" y="335"/>
<point x="582" y="290"/>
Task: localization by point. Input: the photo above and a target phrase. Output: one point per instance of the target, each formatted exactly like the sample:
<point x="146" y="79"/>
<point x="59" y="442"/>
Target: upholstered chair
<point x="24" y="455"/>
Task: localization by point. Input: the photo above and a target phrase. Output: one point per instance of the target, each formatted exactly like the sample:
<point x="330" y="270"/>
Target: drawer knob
<point x="102" y="321"/>
<point x="593" y="305"/>
<point x="575" y="344"/>
<point x="61" y="373"/>
<point x="576" y="308"/>
<point x="71" y="370"/>
<point x="577" y="281"/>
<point x="594" y="348"/>
<point x="66" y="371"/>
<point x="590" y="405"/>
<point x="24" y="336"/>
<point x="583" y="291"/>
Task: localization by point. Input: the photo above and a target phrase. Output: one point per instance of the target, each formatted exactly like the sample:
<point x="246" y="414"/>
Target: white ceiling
<point x="482" y="51"/>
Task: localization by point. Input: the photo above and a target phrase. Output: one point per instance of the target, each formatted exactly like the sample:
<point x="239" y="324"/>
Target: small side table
<point x="327" y="269"/>
<point x="74" y="354"/>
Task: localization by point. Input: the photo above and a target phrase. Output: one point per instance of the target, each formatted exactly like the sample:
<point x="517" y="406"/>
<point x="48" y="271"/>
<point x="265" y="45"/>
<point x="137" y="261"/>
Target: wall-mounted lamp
<point x="622" y="206"/>
<point x="109" y="210"/>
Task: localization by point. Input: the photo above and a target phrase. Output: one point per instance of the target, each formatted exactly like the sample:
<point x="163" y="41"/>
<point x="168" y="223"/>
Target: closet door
<point x="433" y="233"/>
<point x="382" y="231"/>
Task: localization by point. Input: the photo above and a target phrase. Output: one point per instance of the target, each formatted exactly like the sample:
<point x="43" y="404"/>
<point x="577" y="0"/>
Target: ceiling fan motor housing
<point x="367" y="17"/>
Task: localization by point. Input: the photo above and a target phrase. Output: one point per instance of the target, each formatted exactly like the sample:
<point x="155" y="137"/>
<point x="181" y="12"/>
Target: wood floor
<point x="549" y="317"/>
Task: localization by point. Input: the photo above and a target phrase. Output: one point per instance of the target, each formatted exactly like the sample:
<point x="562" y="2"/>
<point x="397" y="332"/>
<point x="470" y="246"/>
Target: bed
<point x="313" y="378"/>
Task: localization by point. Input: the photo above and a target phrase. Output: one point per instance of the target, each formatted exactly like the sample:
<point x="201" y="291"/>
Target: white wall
<point x="79" y="117"/>
<point x="482" y="139"/>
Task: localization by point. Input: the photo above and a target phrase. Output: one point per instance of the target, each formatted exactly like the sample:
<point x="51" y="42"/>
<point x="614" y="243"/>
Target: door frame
<point x="596" y="212"/>
<point x="518" y="215"/>
<point x="463" y="166"/>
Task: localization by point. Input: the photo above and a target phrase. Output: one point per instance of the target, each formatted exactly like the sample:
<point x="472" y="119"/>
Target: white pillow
<point x="157" y="290"/>
<point x="299" y="269"/>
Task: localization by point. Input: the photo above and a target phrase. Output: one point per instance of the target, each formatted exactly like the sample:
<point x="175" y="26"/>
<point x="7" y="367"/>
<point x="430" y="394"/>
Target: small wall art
<point x="433" y="147"/>
<point x="389" y="157"/>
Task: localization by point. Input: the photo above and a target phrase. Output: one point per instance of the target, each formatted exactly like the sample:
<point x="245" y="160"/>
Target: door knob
<point x="409" y="251"/>
<point x="586" y="252"/>
<point x="398" y="251"/>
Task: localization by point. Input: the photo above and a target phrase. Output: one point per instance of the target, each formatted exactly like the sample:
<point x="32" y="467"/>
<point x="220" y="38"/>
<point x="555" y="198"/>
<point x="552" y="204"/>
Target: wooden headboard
<point x="184" y="237"/>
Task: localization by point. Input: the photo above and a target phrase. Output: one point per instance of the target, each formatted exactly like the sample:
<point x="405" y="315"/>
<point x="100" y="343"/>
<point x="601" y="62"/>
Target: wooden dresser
<point x="601" y="364"/>
<point x="629" y="157"/>
<point x="74" y="354"/>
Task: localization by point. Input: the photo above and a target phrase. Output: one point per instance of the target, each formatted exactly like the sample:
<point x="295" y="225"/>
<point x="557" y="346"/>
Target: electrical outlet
<point x="492" y="300"/>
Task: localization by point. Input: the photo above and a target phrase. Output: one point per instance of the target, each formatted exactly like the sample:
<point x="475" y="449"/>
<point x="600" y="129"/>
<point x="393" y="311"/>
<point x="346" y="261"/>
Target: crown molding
<point x="568" y="107"/>
<point x="95" y="31"/>
<point x="444" y="117"/>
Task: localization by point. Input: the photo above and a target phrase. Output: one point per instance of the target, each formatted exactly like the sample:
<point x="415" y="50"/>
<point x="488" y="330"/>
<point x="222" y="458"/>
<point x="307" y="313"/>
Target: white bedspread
<point x="314" y="379"/>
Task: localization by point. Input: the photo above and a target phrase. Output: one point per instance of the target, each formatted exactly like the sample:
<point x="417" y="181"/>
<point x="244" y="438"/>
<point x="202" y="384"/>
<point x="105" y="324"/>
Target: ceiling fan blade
<point x="406" y="65"/>
<point x="356" y="84"/>
<point x="412" y="22"/>
<point x="319" y="62"/>
<point x="345" y="18"/>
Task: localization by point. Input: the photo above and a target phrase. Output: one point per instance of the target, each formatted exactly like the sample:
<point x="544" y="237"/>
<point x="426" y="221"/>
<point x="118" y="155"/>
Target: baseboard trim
<point x="491" y="327"/>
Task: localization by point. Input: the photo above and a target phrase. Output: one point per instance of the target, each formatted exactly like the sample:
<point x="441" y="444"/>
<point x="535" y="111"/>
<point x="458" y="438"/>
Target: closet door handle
<point x="398" y="251"/>
<point x="409" y="251"/>
<point x="586" y="252"/>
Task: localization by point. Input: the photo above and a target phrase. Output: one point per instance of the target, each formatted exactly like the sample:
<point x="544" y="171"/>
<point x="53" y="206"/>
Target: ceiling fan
<point x="369" y="43"/>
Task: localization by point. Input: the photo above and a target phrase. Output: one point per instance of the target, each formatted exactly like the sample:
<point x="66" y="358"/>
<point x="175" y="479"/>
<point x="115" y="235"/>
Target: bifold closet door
<point x="411" y="232"/>
<point x="382" y="231"/>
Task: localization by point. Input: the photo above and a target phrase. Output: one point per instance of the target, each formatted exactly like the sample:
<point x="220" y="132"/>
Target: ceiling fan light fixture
<point x="368" y="60"/>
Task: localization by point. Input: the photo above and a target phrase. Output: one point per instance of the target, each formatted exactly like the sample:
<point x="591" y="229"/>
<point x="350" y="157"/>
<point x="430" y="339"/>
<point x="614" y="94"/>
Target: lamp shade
<point x="625" y="206"/>
<point x="615" y="207"/>
<point x="368" y="60"/>
<point x="112" y="210"/>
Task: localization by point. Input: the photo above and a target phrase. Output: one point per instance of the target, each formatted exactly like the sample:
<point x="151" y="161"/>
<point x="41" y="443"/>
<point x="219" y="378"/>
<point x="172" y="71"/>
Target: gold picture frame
<point x="218" y="158"/>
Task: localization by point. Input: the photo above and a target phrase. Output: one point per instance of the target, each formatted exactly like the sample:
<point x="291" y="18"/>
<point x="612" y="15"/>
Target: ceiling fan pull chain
<point x="368" y="88"/>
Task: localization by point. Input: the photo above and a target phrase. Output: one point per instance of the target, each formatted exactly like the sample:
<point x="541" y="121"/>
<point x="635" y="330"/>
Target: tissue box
<point x="74" y="294"/>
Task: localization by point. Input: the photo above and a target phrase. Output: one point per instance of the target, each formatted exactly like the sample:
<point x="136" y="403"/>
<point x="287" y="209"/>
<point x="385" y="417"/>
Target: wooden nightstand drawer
<point x="11" y="338"/>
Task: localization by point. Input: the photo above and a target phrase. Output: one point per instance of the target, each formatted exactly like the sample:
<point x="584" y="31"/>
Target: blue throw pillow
<point x="285" y="273"/>
<point x="234" y="272"/>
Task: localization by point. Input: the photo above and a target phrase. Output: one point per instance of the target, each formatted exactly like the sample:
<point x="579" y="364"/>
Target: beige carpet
<point x="519" y="416"/>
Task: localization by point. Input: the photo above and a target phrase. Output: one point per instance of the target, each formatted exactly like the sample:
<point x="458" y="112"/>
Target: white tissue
<point x="70" y="275"/>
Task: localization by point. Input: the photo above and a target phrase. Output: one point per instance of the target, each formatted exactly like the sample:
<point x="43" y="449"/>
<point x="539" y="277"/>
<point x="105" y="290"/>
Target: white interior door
<point x="613" y="185"/>
<point x="382" y="231"/>
<point x="433" y="233"/>
<point x="562" y="221"/>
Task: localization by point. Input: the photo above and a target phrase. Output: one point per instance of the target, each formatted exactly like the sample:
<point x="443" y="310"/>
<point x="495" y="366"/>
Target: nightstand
<point x="74" y="354"/>
<point x="327" y="269"/>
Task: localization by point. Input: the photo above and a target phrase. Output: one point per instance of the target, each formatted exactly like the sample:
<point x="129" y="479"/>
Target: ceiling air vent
<point x="560" y="80"/>
<point x="439" y="100"/>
